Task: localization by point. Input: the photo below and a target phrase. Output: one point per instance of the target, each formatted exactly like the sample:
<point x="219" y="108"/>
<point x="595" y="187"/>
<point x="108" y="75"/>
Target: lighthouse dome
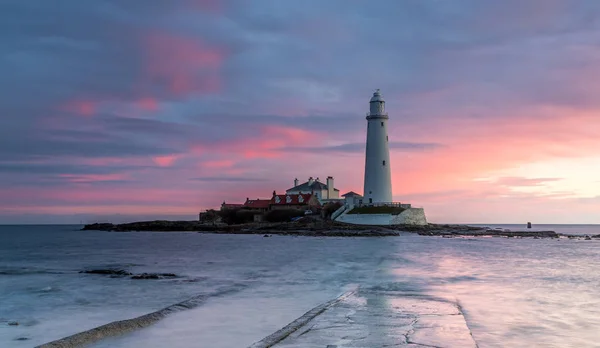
<point x="377" y="97"/>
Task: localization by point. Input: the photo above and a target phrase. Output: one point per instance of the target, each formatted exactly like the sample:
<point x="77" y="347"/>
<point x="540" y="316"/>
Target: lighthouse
<point x="378" y="175"/>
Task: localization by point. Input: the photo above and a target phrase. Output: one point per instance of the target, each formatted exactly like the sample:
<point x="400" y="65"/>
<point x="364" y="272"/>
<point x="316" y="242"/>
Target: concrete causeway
<point x="372" y="319"/>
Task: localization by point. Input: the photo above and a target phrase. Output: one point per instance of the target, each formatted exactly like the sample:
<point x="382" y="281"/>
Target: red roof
<point x="294" y="199"/>
<point x="257" y="203"/>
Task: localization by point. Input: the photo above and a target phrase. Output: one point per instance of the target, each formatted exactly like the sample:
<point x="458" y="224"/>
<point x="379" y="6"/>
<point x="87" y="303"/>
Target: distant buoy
<point x="529" y="225"/>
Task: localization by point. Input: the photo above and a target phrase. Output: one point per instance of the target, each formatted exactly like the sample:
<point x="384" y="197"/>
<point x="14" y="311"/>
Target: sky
<point x="116" y="110"/>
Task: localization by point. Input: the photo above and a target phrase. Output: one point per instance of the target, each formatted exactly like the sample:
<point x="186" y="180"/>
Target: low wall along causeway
<point x="410" y="216"/>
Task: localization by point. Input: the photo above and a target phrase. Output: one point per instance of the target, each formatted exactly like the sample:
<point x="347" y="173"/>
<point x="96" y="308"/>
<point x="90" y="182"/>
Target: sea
<point x="514" y="292"/>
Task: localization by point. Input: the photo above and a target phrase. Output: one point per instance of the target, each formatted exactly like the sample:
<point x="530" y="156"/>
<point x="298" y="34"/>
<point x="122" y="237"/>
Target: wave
<point x="43" y="290"/>
<point x="396" y="287"/>
<point x="28" y="271"/>
<point x="125" y="326"/>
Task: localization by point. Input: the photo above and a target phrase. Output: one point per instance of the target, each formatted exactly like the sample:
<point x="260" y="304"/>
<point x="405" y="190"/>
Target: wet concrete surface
<point x="371" y="319"/>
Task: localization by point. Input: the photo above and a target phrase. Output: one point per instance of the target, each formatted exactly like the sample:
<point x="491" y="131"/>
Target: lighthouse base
<point x="410" y="216"/>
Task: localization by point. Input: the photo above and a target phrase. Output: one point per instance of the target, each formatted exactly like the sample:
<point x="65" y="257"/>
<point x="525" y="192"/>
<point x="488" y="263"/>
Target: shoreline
<point x="319" y="228"/>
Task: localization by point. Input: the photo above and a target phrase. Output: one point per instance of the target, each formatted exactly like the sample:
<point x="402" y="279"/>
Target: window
<point x="384" y="163"/>
<point x="386" y="138"/>
<point x="370" y="200"/>
<point x="381" y="124"/>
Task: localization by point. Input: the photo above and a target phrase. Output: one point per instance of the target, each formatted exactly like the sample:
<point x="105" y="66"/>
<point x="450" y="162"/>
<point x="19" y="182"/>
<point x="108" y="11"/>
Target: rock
<point x="158" y="225"/>
<point x="111" y="272"/>
<point x="13" y="323"/>
<point x="154" y="276"/>
<point x="21" y="338"/>
<point x="266" y="235"/>
<point x="439" y="230"/>
<point x="588" y="238"/>
<point x="98" y="227"/>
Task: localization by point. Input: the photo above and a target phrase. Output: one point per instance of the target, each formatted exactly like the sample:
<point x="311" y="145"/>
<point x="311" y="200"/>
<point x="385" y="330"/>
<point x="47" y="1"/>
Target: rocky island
<point x="308" y="226"/>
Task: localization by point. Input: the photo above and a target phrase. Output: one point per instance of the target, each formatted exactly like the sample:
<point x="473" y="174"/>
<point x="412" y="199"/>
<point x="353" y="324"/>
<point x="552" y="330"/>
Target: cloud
<point x="360" y="147"/>
<point x="218" y="164"/>
<point x="19" y="168"/>
<point x="228" y="179"/>
<point x="81" y="107"/>
<point x="148" y="104"/>
<point x="165" y="161"/>
<point x="520" y="181"/>
<point x="182" y="65"/>
<point x="35" y="145"/>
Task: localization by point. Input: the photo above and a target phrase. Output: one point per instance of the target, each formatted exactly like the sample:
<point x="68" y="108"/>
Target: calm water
<point x="564" y="229"/>
<point x="515" y="292"/>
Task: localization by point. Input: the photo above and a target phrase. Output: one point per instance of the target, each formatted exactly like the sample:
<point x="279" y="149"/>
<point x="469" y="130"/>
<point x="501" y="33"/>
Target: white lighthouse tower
<point x="378" y="176"/>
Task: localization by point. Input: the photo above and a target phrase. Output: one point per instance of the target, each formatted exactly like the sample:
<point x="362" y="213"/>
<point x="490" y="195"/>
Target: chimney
<point x="330" y="188"/>
<point x="295" y="182"/>
<point x="274" y="193"/>
<point x="310" y="181"/>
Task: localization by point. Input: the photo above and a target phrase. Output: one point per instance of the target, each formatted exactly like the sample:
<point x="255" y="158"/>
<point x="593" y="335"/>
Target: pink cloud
<point x="165" y="161"/>
<point x="273" y="138"/>
<point x="90" y="178"/>
<point x="217" y="164"/>
<point x="265" y="142"/>
<point x="80" y="107"/>
<point x="185" y="65"/>
<point x="148" y="104"/>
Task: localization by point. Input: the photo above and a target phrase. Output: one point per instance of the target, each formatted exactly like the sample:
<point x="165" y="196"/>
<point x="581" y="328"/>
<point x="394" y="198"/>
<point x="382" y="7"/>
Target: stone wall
<point x="412" y="216"/>
<point x="366" y="219"/>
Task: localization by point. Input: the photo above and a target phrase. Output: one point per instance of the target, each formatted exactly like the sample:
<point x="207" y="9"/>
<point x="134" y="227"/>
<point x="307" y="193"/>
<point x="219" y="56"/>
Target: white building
<point x="378" y="177"/>
<point x="352" y="198"/>
<point x="323" y="191"/>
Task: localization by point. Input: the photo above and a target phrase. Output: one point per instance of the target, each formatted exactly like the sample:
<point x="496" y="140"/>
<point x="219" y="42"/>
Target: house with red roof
<point x="294" y="201"/>
<point x="257" y="204"/>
